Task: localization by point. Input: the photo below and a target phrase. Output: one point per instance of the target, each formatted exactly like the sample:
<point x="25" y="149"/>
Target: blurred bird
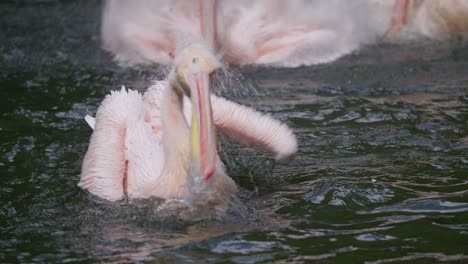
<point x="436" y="19"/>
<point x="271" y="32"/>
<point x="266" y="32"/>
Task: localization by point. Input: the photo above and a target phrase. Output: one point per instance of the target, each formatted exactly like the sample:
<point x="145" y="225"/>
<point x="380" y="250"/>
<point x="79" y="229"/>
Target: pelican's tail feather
<point x="91" y="121"/>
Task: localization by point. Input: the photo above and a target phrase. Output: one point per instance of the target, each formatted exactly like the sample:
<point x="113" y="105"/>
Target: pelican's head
<point x="195" y="58"/>
<point x="191" y="74"/>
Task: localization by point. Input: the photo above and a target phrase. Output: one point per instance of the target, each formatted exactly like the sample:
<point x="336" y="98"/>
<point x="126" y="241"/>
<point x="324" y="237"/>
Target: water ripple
<point x="422" y="206"/>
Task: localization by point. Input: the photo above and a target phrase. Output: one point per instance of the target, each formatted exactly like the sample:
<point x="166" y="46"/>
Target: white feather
<point x="91" y="121"/>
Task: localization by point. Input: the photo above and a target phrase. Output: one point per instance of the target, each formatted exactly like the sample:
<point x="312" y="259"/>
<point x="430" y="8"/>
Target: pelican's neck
<point x="176" y="141"/>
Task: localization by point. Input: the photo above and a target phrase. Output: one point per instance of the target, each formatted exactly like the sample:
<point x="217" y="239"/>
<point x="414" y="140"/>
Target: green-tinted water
<point x="381" y="174"/>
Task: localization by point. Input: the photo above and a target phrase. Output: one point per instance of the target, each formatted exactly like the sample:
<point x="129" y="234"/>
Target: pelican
<point x="436" y="19"/>
<point x="149" y="146"/>
<point x="272" y="32"/>
<point x="154" y="145"/>
<point x="263" y="32"/>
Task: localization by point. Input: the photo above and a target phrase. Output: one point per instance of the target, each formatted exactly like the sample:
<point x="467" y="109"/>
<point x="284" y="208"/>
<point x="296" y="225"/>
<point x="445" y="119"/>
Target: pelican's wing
<point x="105" y="163"/>
<point x="91" y="121"/>
<point x="302" y="47"/>
<point x="250" y="127"/>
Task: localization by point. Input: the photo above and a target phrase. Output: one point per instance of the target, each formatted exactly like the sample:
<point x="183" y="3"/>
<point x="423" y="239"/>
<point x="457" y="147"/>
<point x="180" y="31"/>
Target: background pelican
<point x="146" y="146"/>
<point x="281" y="33"/>
<point x="432" y="18"/>
<point x="273" y="32"/>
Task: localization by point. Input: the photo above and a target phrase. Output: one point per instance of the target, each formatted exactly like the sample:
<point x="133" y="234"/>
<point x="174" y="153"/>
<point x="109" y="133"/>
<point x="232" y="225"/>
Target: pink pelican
<point x="272" y="32"/>
<point x="435" y="19"/>
<point x="263" y="32"/>
<point x="156" y="144"/>
<point x="146" y="145"/>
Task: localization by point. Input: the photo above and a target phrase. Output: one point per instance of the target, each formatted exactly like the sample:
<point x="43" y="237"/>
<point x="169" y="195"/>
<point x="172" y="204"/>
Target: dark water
<point x="381" y="174"/>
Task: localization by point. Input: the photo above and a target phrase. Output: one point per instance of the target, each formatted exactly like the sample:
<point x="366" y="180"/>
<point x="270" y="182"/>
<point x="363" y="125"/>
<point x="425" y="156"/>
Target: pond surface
<point x="381" y="174"/>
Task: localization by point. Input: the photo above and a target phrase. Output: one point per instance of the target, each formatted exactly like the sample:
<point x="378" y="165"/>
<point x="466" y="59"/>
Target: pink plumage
<point x="127" y="152"/>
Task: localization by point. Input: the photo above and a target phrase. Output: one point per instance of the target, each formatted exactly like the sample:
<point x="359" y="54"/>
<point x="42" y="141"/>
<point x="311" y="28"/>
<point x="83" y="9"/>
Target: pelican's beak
<point x="208" y="21"/>
<point x="203" y="134"/>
